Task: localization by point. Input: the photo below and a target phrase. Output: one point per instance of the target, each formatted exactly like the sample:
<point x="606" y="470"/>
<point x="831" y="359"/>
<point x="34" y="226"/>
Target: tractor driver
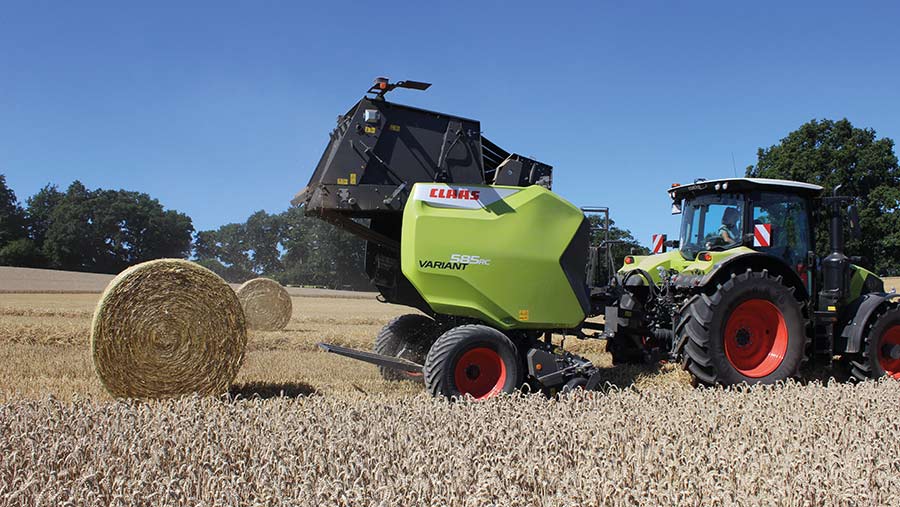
<point x="728" y="231"/>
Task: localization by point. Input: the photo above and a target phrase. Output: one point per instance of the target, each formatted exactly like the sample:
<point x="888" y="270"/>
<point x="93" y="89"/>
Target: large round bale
<point x="167" y="328"/>
<point x="267" y="305"/>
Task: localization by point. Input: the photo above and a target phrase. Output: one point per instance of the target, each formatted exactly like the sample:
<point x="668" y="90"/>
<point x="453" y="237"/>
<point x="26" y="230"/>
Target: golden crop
<point x="342" y="436"/>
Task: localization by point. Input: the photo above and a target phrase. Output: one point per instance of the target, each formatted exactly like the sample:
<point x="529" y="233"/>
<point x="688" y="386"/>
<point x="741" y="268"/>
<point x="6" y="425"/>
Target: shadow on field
<point x="266" y="390"/>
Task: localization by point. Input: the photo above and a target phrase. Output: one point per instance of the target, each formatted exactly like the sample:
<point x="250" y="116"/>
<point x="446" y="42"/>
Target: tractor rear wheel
<point x="881" y="349"/>
<point x="750" y="330"/>
<point x="409" y="337"/>
<point x="473" y="360"/>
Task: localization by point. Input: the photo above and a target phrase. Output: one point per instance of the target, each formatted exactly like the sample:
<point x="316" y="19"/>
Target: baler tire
<point x="474" y="360"/>
<point x="408" y="336"/>
<point x="870" y="364"/>
<point x="772" y="349"/>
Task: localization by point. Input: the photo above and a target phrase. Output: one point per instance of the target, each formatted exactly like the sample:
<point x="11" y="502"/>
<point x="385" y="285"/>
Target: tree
<point x="40" y="207"/>
<point x="68" y="243"/>
<point x="206" y="245"/>
<point x="12" y="216"/>
<point x="109" y="230"/>
<point x="289" y="246"/>
<point x="263" y="235"/>
<point x="622" y="243"/>
<point x="225" y="251"/>
<point x="19" y="252"/>
<point x="831" y="153"/>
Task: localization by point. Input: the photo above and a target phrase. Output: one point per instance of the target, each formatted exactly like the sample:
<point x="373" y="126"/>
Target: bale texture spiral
<point x="167" y="328"/>
<point x="267" y="305"/>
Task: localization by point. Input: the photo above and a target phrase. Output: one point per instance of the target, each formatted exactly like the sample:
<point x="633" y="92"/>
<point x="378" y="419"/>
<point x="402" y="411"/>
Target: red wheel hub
<point x="889" y="352"/>
<point x="756" y="338"/>
<point x="480" y="372"/>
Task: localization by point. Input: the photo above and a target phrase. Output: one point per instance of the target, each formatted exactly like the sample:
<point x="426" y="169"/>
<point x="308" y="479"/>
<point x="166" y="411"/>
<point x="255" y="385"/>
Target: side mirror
<point x="855" y="230"/>
<point x="676" y="208"/>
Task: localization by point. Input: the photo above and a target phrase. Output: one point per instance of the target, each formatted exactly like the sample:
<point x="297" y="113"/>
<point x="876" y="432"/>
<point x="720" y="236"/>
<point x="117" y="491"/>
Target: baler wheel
<point x="749" y="330"/>
<point x="881" y="349"/>
<point x="473" y="360"/>
<point x="407" y="336"/>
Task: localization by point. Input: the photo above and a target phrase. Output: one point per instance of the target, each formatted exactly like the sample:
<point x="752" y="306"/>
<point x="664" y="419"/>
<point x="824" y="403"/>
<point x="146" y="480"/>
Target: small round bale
<point x="167" y="328"/>
<point x="267" y="305"/>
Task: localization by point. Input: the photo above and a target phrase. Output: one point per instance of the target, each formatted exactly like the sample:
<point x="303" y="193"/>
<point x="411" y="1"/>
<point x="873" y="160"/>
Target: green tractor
<point x="745" y="298"/>
<point x="498" y="265"/>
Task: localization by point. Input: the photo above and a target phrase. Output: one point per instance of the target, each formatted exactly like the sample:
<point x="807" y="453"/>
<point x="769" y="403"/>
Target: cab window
<point x="781" y="227"/>
<point x="711" y="222"/>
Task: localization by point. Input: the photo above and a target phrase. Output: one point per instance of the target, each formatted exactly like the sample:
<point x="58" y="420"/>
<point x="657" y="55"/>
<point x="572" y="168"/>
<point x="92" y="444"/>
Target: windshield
<point x="711" y="222"/>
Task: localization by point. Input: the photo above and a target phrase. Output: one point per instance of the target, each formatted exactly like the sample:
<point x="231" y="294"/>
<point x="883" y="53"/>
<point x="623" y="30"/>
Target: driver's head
<point x="730" y="217"/>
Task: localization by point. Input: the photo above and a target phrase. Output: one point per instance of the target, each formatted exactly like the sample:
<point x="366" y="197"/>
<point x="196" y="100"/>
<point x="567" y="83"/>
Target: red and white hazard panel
<point x="762" y="235"/>
<point x="658" y="243"/>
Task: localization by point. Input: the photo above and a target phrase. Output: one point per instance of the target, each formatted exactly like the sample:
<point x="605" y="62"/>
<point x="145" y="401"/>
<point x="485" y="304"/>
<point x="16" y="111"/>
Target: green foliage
<point x="89" y="230"/>
<point x="104" y="230"/>
<point x="19" y="252"/>
<point x="621" y="243"/>
<point x="292" y="248"/>
<point x="40" y="207"/>
<point x="831" y="153"/>
<point x="12" y="216"/>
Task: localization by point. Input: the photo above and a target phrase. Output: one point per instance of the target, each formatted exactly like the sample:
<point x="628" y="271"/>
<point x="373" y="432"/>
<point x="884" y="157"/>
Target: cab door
<point x="780" y="227"/>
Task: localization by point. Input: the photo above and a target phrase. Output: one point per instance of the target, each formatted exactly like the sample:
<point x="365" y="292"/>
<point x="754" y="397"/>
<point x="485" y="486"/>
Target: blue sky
<point x="220" y="109"/>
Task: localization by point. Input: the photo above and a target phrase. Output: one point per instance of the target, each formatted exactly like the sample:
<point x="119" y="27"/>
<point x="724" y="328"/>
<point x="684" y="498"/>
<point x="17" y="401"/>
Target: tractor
<point x="498" y="265"/>
<point x="744" y="298"/>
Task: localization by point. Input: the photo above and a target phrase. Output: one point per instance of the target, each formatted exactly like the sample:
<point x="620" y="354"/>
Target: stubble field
<point x="303" y="427"/>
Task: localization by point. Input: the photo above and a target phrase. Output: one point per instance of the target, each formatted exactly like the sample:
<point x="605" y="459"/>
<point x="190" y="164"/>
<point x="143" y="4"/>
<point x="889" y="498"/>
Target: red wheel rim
<point x="480" y="372"/>
<point x="888" y="352"/>
<point x="756" y="338"/>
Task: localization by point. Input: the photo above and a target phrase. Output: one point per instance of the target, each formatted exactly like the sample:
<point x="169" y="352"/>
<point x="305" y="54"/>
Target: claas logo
<point x="462" y="194"/>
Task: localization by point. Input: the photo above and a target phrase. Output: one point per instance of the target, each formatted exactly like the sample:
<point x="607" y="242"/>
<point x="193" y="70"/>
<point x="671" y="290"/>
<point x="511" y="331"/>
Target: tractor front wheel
<point x="408" y="337"/>
<point x="881" y="356"/>
<point x="750" y="330"/>
<point x="472" y="360"/>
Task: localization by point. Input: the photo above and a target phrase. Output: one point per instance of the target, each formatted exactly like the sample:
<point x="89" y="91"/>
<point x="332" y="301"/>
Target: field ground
<point x="342" y="436"/>
<point x="48" y="281"/>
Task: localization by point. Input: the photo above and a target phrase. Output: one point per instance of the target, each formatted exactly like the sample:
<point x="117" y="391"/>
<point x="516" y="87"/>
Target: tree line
<point x="101" y="231"/>
<point x="105" y="231"/>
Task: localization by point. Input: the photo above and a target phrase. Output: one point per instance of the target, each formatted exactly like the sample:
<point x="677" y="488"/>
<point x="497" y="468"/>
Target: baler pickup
<point x="394" y="363"/>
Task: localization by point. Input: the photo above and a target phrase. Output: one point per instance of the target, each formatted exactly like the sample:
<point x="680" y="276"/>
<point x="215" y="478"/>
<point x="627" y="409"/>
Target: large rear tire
<point x="750" y="330"/>
<point x="407" y="336"/>
<point x="881" y="349"/>
<point x="473" y="360"/>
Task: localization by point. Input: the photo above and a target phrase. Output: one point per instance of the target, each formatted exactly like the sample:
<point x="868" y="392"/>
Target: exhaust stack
<point x="836" y="266"/>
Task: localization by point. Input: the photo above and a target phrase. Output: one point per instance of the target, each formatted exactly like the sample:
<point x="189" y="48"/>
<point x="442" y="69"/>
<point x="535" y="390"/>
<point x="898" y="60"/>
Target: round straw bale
<point x="166" y="328"/>
<point x="267" y="305"/>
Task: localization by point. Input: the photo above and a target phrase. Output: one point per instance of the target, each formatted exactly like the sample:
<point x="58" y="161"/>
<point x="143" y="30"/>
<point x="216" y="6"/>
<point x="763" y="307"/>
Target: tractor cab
<point x="768" y="216"/>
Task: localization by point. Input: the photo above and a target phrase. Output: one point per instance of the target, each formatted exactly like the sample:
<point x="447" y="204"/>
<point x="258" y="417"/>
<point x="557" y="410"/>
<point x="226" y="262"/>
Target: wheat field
<point x="302" y="427"/>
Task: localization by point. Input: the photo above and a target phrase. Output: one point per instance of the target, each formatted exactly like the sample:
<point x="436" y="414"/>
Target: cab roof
<point x="744" y="185"/>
